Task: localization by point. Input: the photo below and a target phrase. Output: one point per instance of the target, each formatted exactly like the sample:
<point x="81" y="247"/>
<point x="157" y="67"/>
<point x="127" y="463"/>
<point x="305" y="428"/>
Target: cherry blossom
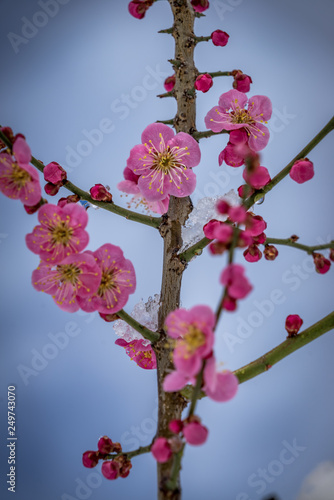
<point x="195" y="433"/>
<point x="203" y="82"/>
<point x="76" y="276"/>
<point x="231" y="114"/>
<point x="142" y="354"/>
<point x="18" y="179"/>
<point x="138" y="8"/>
<point x="233" y="277"/>
<point x="118" y="281"/>
<point x="169" y="83"/>
<point x="164" y="162"/>
<point x="54" y="173"/>
<point x="161" y="450"/>
<point x="219" y="38"/>
<point x="293" y="324"/>
<point x="61" y="232"/>
<point x="200" y="5"/>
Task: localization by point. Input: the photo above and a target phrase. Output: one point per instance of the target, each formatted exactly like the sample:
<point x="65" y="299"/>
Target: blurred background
<point x="67" y="67"/>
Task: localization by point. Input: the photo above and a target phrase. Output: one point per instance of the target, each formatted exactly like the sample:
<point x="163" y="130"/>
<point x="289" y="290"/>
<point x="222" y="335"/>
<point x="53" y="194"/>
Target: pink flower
<point x="90" y="459"/>
<point x="100" y="193"/>
<point x="169" y="83"/>
<point x="164" y="162"/>
<point x="257" y="178"/>
<point x="302" y="171"/>
<point x="161" y="450"/>
<point x="237" y="214"/>
<point x="52" y="189"/>
<point x="231" y="156"/>
<point x="18" y="179"/>
<point x="241" y="81"/>
<point x="219" y="38"/>
<point x="200" y="5"/>
<point x="233" y="277"/>
<point x="231" y="114"/>
<point x="224" y="388"/>
<point x="270" y="252"/>
<point x="138" y="8"/>
<point x="203" y="82"/>
<point x="117" y="283"/>
<point x="293" y="324"/>
<point x="54" y="173"/>
<point x="252" y="253"/>
<point x="193" y="330"/>
<point x="130" y="186"/>
<point x="142" y="354"/>
<point x="33" y="208"/>
<point x="255" y="224"/>
<point x="322" y="265"/>
<point x="60" y="234"/>
<point x="195" y="433"/>
<point x="76" y="276"/>
<point x="110" y="469"/>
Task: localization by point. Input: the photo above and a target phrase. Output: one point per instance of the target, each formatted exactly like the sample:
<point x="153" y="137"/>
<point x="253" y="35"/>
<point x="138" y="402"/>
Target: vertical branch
<point x="172" y="404"/>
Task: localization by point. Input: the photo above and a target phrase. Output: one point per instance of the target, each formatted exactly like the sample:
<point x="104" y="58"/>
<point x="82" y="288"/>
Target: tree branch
<point x="288" y="242"/>
<point x="284" y="172"/>
<point x="145" y="332"/>
<point x="110" y="207"/>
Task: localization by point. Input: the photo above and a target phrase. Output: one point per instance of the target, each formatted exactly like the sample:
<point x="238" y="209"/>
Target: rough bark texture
<point x="171" y="404"/>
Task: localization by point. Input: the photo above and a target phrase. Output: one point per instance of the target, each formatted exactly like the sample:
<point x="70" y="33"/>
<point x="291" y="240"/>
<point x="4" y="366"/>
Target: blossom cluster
<point x="93" y="281"/>
<point x="119" y="466"/>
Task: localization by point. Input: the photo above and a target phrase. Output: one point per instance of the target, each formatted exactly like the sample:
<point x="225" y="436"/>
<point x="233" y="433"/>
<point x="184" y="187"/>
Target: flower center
<point x="61" y="233"/>
<point x="241" y="116"/>
<point x="164" y="161"/>
<point x="194" y="338"/>
<point x="69" y="273"/>
<point x="19" y="176"/>
<point x="107" y="282"/>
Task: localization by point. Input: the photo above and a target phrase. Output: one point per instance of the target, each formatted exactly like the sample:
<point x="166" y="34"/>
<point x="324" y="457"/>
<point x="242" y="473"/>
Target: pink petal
<point x="152" y="133"/>
<point x="260" y="106"/>
<point x="226" y="387"/>
<point x="192" y="156"/>
<point x="195" y="433"/>
<point x="232" y="99"/>
<point x="21" y="151"/>
<point x="175" y="381"/>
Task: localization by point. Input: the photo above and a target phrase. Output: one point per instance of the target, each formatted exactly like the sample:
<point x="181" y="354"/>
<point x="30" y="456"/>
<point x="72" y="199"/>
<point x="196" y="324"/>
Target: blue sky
<point x="90" y="66"/>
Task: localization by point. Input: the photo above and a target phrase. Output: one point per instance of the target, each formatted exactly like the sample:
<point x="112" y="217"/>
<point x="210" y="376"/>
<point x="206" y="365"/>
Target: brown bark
<point x="172" y="404"/>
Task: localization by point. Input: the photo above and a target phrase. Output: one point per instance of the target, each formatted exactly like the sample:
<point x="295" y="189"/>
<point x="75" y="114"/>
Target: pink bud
<point x="270" y="252"/>
<point x="223" y="207"/>
<point x="161" y="450"/>
<point x="100" y="193"/>
<point x="203" y="82"/>
<point x="244" y="191"/>
<point x="110" y="469"/>
<point x="34" y="208"/>
<point x="292" y="324"/>
<point x="252" y="253"/>
<point x="241" y="81"/>
<point x="302" y="171"/>
<point x="175" y="426"/>
<point x="322" y="264"/>
<point x="238" y="214"/>
<point x="256" y="178"/>
<point x="169" y="83"/>
<point x="195" y="433"/>
<point x="105" y="445"/>
<point x="219" y="38"/>
<point x="229" y="304"/>
<point x="90" y="459"/>
<point x="138" y="8"/>
<point x="210" y="228"/>
<point x="52" y="189"/>
<point x="54" y="173"/>
<point x="200" y="5"/>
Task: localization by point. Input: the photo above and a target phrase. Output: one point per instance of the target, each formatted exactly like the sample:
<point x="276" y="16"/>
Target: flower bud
<point x="292" y="324"/>
<point x="110" y="469"/>
<point x="52" y="189"/>
<point x="241" y="81"/>
<point x="100" y="193"/>
<point x="175" y="426"/>
<point x="252" y="253"/>
<point x="34" y="208"/>
<point x="270" y="252"/>
<point x="195" y="433"/>
<point x="169" y="83"/>
<point x="90" y="459"/>
<point x="54" y="173"/>
<point x="203" y="82"/>
<point x="200" y="5"/>
<point x="161" y="450"/>
<point x="105" y="445"/>
<point x="302" y="171"/>
<point x="322" y="264"/>
<point x="219" y="38"/>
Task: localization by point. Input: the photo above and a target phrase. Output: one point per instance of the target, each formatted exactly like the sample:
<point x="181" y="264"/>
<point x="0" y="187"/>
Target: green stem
<point x="202" y="39"/>
<point x="167" y="94"/>
<point x="145" y="332"/>
<point x="130" y="454"/>
<point x="111" y="207"/>
<point x="167" y="30"/>
<point x="283" y="350"/>
<point x="285" y="171"/>
<point x="194" y="250"/>
<point x="208" y="133"/>
<point x="166" y="122"/>
<point x="214" y="74"/>
<point x="288" y="242"/>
